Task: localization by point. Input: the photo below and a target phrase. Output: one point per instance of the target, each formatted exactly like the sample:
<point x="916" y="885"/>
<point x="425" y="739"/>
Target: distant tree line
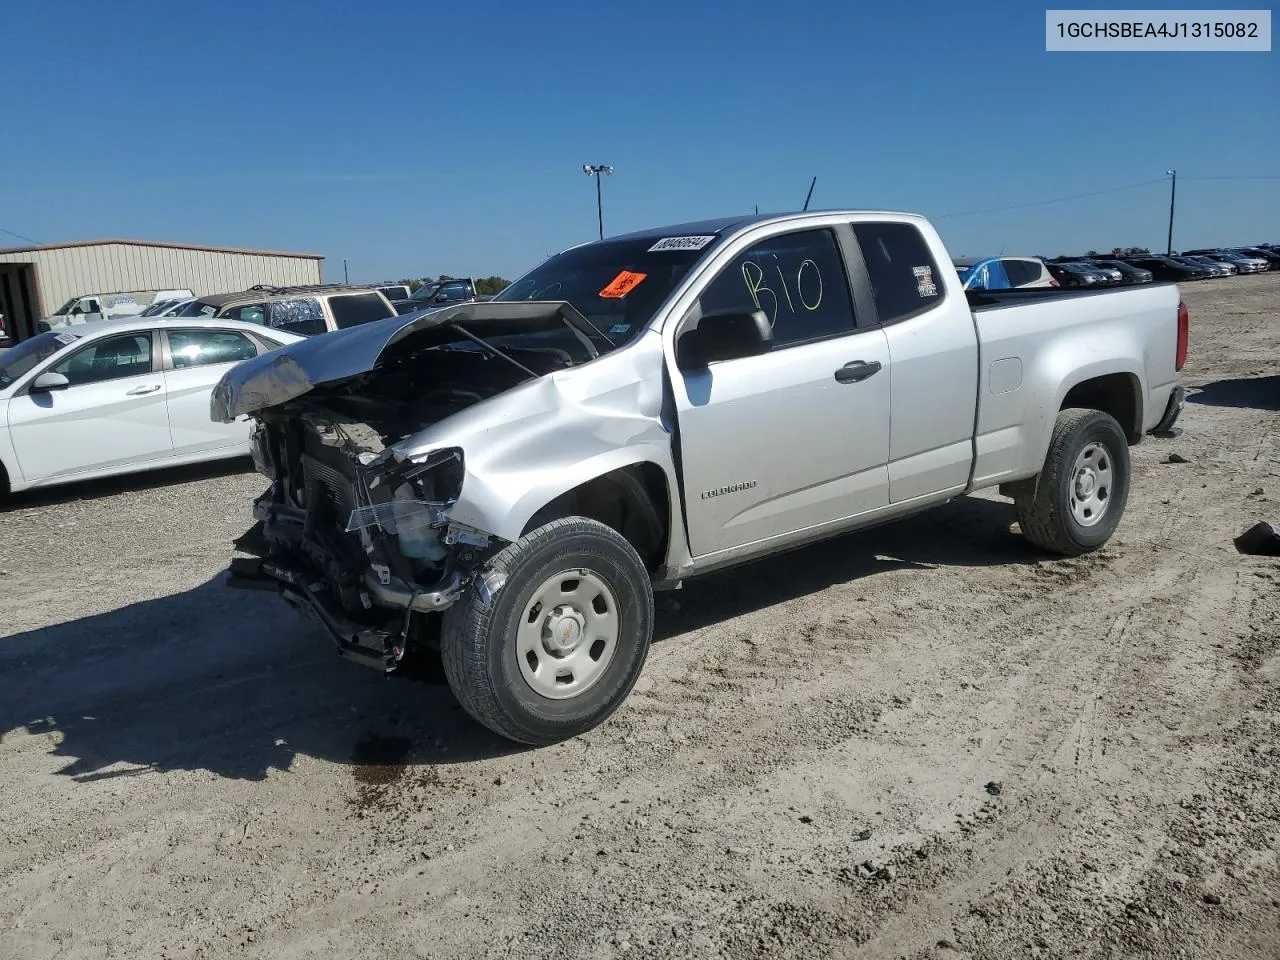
<point x="485" y="286"/>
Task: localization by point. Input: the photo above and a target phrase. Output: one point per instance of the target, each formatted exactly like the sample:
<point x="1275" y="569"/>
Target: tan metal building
<point x="35" y="281"/>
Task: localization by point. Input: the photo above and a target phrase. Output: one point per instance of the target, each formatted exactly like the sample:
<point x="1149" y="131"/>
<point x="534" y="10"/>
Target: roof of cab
<point x="722" y="225"/>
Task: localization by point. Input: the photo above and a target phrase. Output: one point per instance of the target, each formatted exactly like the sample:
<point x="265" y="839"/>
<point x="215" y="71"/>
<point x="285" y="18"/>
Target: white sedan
<point x="120" y="396"/>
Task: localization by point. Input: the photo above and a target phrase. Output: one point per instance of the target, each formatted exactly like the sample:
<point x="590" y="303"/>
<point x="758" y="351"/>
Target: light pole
<point x="1173" y="192"/>
<point x="595" y="169"/>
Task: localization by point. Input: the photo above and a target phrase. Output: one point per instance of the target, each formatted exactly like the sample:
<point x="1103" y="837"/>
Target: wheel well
<point x="1115" y="394"/>
<point x="634" y="501"/>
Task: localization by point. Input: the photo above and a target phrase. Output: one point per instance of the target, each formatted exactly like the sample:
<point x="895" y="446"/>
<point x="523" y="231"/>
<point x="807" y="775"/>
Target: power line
<point x="1040" y="203"/>
<point x="19" y="236"/>
<point x="1268" y="176"/>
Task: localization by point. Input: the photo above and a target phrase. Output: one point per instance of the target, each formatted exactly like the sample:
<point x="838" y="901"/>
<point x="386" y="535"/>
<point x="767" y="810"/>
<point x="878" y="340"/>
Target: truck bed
<point x="1027" y="338"/>
<point x="982" y="300"/>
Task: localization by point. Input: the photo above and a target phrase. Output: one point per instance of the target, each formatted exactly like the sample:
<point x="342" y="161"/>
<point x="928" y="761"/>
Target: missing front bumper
<point x="379" y="648"/>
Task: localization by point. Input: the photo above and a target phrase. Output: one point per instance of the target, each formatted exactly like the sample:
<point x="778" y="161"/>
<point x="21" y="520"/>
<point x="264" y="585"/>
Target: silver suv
<point x="304" y="310"/>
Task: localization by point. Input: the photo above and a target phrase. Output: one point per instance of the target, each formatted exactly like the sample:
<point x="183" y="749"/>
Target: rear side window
<point x="249" y="313"/>
<point x="798" y="279"/>
<point x="351" y="311"/>
<point x="303" y="317"/>
<point x="1021" y="272"/>
<point x="201" y="348"/>
<point x="904" y="277"/>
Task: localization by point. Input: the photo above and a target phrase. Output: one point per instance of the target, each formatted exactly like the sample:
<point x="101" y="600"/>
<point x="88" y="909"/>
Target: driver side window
<point x="111" y="358"/>
<point x="797" y="279"/>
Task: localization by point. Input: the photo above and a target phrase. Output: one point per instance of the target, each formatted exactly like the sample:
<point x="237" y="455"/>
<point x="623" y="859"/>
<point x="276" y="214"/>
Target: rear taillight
<point x="1184" y="336"/>
<point x="1053" y="283"/>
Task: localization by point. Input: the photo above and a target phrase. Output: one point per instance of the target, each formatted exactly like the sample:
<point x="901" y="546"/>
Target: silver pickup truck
<point x="508" y="482"/>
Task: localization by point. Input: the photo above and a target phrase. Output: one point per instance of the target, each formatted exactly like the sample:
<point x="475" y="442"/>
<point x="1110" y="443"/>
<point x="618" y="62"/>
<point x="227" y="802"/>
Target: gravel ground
<point x="925" y="741"/>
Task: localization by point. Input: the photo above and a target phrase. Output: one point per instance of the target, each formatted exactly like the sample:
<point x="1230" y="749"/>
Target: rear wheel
<point x="1077" y="501"/>
<point x="557" y="645"/>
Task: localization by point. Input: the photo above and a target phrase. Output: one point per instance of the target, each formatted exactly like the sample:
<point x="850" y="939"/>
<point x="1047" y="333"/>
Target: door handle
<point x="857" y="370"/>
<point x="141" y="391"/>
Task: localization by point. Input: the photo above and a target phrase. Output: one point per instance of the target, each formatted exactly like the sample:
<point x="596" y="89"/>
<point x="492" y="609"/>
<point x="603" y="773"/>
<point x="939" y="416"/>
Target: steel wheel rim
<point x="1092" y="484"/>
<point x="568" y="634"/>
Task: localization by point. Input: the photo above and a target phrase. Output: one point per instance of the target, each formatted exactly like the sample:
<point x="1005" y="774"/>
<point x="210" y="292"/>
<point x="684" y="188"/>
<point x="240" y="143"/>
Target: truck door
<point x="934" y="349"/>
<point x="799" y="436"/>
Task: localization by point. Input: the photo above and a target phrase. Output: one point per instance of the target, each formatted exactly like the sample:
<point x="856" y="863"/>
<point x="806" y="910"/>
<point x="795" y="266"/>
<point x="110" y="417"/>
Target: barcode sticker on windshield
<point x="681" y="243"/>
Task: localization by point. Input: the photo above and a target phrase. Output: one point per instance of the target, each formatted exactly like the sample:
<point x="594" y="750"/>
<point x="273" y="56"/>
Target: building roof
<point x="154" y="243"/>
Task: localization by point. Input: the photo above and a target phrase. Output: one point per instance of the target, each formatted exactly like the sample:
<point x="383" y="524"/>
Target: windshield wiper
<point x="491" y="349"/>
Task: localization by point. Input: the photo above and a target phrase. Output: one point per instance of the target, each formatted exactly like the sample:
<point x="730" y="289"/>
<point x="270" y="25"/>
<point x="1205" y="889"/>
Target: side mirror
<point x="49" y="381"/>
<point x="441" y="298"/>
<point x="724" y="335"/>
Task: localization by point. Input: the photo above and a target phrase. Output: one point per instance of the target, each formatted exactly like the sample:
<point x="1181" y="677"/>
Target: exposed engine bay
<point x="354" y="533"/>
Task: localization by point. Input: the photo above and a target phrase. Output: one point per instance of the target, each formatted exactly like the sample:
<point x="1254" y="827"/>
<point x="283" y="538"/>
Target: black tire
<point x="478" y="642"/>
<point x="1045" y="508"/>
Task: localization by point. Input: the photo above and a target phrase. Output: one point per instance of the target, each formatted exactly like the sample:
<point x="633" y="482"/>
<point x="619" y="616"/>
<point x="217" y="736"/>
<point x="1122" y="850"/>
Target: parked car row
<point x="88" y="307"/>
<point x="306" y="310"/>
<point x="124" y="383"/>
<point x="116" y="396"/>
<point x="1004" y="273"/>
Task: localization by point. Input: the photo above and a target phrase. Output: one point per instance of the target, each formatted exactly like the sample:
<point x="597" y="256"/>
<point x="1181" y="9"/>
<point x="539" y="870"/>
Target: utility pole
<point x="595" y="169"/>
<point x="1173" y="192"/>
<point x="345" y="278"/>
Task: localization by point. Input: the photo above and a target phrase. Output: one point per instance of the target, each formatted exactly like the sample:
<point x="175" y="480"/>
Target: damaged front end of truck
<point x="359" y="526"/>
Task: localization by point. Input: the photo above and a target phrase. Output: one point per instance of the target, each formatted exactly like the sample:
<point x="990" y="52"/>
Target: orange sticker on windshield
<point x="622" y="284"/>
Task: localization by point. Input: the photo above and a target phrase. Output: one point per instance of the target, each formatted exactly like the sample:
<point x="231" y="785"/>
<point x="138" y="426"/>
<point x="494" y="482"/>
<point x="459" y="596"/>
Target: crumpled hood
<point x="298" y="368"/>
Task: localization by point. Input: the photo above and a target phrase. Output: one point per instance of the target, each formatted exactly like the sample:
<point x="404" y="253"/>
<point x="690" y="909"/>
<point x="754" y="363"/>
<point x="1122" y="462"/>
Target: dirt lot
<point x="927" y="741"/>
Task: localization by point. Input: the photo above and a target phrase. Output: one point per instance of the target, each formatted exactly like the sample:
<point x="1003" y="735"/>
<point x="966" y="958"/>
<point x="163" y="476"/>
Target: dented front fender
<point x="541" y="439"/>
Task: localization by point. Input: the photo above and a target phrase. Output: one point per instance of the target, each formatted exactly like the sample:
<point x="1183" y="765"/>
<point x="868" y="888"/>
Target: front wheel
<point x="1077" y="501"/>
<point x="557" y="643"/>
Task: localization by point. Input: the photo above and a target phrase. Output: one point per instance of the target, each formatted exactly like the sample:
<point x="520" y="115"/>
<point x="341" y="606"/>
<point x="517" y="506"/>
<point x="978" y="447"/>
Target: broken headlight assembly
<point x="422" y="494"/>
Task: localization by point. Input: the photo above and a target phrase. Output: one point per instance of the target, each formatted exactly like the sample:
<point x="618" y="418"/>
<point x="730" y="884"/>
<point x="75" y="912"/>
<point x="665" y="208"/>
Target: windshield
<point x="617" y="285"/>
<point x="158" y="307"/>
<point x="197" y="309"/>
<point x="452" y="289"/>
<point x="65" y="309"/>
<point x="425" y="292"/>
<point x="20" y="359"/>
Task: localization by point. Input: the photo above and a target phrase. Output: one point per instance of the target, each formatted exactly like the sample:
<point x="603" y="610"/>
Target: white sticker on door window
<point x="681" y="243"/>
<point x="924" y="281"/>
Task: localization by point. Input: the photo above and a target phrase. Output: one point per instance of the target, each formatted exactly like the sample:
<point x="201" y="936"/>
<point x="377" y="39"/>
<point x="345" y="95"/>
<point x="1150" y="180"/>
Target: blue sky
<point x="416" y="138"/>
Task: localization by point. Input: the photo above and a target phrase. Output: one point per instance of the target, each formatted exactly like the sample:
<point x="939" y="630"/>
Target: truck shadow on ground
<point x="236" y="684"/>
<point x="968" y="532"/>
<point x="1260" y="393"/>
